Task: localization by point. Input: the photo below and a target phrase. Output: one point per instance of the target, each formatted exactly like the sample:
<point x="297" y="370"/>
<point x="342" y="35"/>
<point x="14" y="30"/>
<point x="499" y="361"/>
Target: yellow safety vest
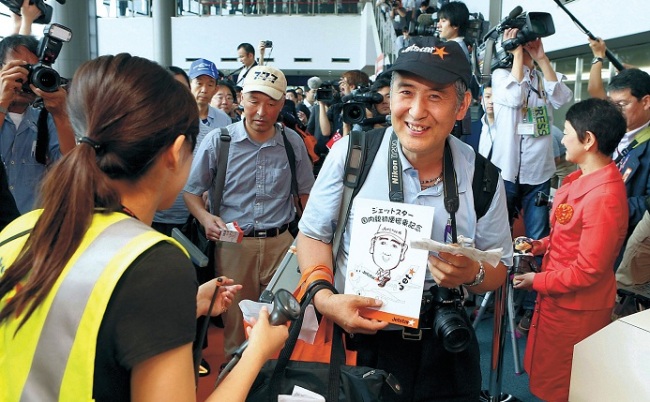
<point x="52" y="357"/>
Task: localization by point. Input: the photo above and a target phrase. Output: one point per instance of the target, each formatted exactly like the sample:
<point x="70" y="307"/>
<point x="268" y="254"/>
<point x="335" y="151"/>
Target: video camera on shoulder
<point x="41" y="74"/>
<point x="355" y="104"/>
<point x="531" y="25"/>
<point x="326" y="93"/>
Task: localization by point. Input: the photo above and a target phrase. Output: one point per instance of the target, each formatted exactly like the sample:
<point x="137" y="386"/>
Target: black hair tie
<point x="87" y="140"/>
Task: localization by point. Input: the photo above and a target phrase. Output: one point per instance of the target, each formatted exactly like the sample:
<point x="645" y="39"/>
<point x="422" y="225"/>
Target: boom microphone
<point x="426" y="20"/>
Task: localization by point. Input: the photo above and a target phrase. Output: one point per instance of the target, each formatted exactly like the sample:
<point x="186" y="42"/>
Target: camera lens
<point x="45" y="79"/>
<point x="354" y="114"/>
<point x="452" y="329"/>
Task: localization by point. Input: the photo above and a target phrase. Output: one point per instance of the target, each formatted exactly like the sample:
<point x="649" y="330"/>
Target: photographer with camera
<point x="576" y="286"/>
<point x="398" y="15"/>
<point x="428" y="94"/>
<point x="524" y="97"/>
<point x="29" y="148"/>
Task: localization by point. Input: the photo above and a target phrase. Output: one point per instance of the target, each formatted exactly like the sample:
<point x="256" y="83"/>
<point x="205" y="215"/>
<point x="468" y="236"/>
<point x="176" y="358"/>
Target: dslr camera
<point x="449" y="323"/>
<point x="531" y="25"/>
<point x="41" y="74"/>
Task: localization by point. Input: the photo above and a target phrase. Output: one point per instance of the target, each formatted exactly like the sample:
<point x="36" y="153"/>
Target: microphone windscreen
<point x="425" y="19"/>
<point x="314" y="83"/>
<point x="515" y="12"/>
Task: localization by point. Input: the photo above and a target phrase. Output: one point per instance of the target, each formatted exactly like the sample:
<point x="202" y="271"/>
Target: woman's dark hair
<point x="132" y="110"/>
<point x="179" y="71"/>
<point x="602" y="118"/>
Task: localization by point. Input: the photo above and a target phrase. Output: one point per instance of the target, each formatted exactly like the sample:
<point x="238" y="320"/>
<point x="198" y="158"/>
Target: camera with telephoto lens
<point x="543" y="199"/>
<point x="355" y="104"/>
<point x="449" y="322"/>
<point x="41" y="74"/>
<point x="531" y="25"/>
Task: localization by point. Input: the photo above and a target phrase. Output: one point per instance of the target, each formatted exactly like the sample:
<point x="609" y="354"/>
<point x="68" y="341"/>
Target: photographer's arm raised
<point x="10" y="74"/>
<point x="55" y="102"/>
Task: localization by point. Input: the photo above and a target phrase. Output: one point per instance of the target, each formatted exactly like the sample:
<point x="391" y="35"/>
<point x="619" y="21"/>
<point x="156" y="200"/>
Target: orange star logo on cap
<point x="440" y="51"/>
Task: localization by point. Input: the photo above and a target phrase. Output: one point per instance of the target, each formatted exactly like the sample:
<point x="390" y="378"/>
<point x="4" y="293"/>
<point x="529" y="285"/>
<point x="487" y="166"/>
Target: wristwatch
<point x="597" y="60"/>
<point x="479" y="277"/>
<point x="3" y="110"/>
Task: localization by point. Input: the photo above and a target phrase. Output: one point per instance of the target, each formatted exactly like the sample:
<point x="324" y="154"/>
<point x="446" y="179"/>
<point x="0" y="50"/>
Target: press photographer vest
<point x="52" y="356"/>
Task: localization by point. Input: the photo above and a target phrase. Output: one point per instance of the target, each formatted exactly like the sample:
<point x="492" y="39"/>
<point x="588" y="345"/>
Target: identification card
<point x="539" y="117"/>
<point x="525" y="129"/>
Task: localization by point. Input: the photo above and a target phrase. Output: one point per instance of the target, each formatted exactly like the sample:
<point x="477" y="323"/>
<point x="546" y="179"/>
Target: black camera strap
<point x="450" y="186"/>
<point x="42" y="137"/>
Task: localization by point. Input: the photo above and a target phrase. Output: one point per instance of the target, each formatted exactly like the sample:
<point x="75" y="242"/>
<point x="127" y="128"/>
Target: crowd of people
<point x="118" y="172"/>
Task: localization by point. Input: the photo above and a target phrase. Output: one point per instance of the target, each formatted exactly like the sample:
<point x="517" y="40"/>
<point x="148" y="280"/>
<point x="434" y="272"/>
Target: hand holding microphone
<point x="285" y="308"/>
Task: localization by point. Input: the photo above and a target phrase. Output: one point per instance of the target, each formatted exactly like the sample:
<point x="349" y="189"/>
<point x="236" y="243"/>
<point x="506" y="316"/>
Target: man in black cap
<point x="428" y="94"/>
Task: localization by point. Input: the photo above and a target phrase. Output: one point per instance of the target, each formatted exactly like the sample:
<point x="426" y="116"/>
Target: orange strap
<point x="310" y="275"/>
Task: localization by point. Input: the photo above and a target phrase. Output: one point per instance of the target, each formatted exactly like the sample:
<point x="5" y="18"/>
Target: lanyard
<point x="641" y="137"/>
<point x="450" y="187"/>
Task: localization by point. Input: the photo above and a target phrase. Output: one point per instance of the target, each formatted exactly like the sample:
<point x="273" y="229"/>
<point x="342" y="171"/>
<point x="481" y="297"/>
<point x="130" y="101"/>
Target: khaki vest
<point x="52" y="357"/>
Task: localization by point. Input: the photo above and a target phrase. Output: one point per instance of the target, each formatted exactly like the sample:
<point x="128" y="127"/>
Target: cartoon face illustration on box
<point x="387" y="247"/>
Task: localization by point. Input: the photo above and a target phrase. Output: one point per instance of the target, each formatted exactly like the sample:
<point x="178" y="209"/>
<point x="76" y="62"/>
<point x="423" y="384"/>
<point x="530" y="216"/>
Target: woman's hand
<point x="523" y="281"/>
<point x="226" y="293"/>
<point x="264" y="339"/>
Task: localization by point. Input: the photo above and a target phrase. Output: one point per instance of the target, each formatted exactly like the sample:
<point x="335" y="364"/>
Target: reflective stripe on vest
<point x="62" y="365"/>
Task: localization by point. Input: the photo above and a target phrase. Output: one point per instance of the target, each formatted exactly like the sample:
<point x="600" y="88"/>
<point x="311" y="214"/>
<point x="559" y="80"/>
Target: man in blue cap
<point x="428" y="94"/>
<point x="203" y="84"/>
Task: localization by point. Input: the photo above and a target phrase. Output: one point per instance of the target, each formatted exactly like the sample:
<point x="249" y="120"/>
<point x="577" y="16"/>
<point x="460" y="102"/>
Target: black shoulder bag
<point x="335" y="381"/>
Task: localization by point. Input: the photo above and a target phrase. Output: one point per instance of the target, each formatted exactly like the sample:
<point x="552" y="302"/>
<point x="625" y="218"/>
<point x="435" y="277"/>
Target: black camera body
<point x="46" y="10"/>
<point x="41" y="74"/>
<point x="326" y="93"/>
<point x="449" y="323"/>
<point x="268" y="44"/>
<point x="531" y="25"/>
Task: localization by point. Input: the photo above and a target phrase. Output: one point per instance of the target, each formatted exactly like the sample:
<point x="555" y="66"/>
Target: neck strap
<point x="450" y="186"/>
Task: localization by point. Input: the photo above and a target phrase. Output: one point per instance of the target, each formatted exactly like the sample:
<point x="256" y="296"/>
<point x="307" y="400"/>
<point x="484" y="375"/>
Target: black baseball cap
<point x="441" y="62"/>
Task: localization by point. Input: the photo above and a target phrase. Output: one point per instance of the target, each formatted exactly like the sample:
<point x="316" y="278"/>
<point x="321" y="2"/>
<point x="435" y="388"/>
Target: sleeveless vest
<point x="52" y="356"/>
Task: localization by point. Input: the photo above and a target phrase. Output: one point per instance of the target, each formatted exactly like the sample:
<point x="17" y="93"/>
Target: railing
<point x="387" y="35"/>
<point x="141" y="8"/>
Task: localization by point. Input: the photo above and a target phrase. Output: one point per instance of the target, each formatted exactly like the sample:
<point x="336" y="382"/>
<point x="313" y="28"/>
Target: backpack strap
<point x="362" y="149"/>
<point x="220" y="177"/>
<point x="291" y="155"/>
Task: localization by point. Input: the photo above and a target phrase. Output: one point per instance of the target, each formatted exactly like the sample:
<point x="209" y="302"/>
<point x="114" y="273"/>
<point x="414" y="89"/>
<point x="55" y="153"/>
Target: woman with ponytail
<point x="94" y="304"/>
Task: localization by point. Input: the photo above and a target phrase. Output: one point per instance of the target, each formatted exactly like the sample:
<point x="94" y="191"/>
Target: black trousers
<point x="425" y="369"/>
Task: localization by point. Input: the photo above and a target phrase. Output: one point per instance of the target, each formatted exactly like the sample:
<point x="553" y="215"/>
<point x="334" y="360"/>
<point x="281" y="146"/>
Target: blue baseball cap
<point x="203" y="67"/>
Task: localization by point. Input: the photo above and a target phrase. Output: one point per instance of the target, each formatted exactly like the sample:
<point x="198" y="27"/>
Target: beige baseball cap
<point x="266" y="79"/>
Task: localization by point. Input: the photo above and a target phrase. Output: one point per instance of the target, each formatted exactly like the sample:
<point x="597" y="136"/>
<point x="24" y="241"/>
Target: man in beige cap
<point x="256" y="195"/>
